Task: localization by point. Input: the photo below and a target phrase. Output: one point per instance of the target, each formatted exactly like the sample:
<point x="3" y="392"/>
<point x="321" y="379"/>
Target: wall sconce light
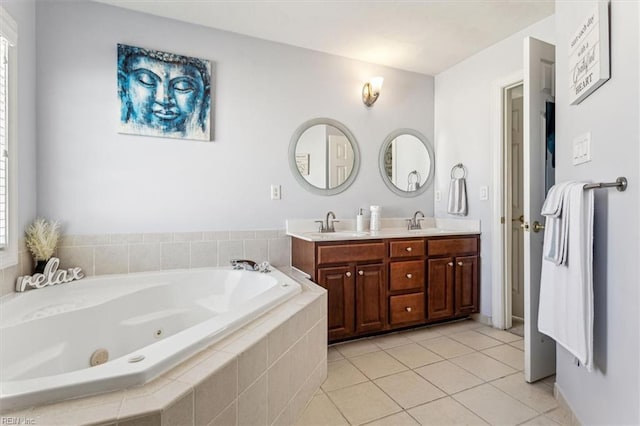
<point x="371" y="90"/>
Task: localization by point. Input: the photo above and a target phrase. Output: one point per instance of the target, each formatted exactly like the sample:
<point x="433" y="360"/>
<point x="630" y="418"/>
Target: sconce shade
<point x="371" y="90"/>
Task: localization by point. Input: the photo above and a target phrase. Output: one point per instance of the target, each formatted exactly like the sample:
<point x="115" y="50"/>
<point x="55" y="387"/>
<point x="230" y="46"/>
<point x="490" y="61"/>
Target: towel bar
<point x="620" y="184"/>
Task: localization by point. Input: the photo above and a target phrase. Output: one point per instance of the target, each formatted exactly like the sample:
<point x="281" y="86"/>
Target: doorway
<point x="513" y="141"/>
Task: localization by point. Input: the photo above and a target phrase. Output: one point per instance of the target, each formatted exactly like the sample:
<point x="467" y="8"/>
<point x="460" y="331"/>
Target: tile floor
<point x="462" y="373"/>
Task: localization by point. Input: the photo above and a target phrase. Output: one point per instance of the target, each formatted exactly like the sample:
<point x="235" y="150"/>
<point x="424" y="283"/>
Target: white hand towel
<point x="457" y="197"/>
<point x="556" y="209"/>
<point x="566" y="291"/>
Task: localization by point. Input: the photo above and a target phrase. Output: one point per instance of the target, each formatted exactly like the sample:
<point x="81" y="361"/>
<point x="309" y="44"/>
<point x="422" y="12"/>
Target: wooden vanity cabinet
<point x="380" y="285"/>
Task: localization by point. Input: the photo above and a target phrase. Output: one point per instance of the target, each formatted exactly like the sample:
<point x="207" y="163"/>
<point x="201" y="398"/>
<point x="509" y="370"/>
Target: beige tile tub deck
<point x="231" y="382"/>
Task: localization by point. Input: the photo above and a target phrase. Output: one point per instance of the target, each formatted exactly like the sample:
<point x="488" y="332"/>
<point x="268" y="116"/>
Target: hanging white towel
<point x="556" y="210"/>
<point x="458" y="197"/>
<point x="566" y="291"/>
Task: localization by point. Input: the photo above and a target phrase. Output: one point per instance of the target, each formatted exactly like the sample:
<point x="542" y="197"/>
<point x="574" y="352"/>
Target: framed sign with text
<point x="589" y="54"/>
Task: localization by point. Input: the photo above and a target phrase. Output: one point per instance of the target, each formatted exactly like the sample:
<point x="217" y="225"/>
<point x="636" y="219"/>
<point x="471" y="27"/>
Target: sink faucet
<point x="327" y="224"/>
<point x="414" y="223"/>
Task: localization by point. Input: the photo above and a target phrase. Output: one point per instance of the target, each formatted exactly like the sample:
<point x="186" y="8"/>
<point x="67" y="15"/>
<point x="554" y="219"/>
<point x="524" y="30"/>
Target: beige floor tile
<point x="445" y="347"/>
<point x="390" y="341"/>
<point x="414" y="355"/>
<point x="400" y="419"/>
<point x="409" y="389"/>
<point x="503" y="336"/>
<point x="540" y="421"/>
<point x="341" y="374"/>
<point x="560" y="416"/>
<point x="483" y="366"/>
<point x="356" y="348"/>
<point x="377" y="364"/>
<point x="448" y="377"/>
<point x="421" y="334"/>
<point x="321" y="411"/>
<point x="444" y="412"/>
<point x="506" y="354"/>
<point x="536" y="395"/>
<point x="363" y="403"/>
<point x="550" y="381"/>
<point x="518" y="344"/>
<point x="333" y="354"/>
<point x="458" y="326"/>
<point x="475" y="340"/>
<point x="495" y="406"/>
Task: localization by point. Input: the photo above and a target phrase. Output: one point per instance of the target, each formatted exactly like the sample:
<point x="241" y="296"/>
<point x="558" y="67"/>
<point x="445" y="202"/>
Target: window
<point x="8" y="128"/>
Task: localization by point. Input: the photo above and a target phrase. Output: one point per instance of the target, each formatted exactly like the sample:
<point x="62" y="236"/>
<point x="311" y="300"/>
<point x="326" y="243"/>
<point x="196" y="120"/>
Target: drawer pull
<point x="460" y="263"/>
<point x="409" y="276"/>
<point x="408" y="309"/>
<point x="348" y="274"/>
<point x="450" y="263"/>
<point x="409" y="249"/>
<point x="360" y="272"/>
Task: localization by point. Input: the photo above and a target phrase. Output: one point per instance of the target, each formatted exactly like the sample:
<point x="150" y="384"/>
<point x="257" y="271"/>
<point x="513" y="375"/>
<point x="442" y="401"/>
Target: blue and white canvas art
<point x="164" y="94"/>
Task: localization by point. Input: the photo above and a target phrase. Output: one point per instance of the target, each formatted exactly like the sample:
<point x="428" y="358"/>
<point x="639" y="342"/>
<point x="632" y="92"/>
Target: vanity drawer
<point x="407" y="275"/>
<point x="406" y="308"/>
<point x="406" y="248"/>
<point x="345" y="253"/>
<point x="453" y="246"/>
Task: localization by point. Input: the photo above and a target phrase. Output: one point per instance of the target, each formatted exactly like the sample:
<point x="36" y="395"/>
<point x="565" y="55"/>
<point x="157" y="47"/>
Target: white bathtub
<point x="48" y="335"/>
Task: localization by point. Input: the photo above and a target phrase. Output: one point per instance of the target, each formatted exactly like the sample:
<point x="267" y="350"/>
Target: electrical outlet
<point x="438" y="195"/>
<point x="276" y="192"/>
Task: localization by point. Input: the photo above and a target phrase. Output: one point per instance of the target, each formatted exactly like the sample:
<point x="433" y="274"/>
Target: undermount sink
<point x="337" y="234"/>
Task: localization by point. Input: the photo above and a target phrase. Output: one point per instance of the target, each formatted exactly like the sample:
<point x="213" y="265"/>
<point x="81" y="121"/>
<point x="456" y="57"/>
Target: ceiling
<point x="426" y="36"/>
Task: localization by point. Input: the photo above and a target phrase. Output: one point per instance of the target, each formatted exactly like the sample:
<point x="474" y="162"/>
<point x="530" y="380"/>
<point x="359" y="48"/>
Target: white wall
<point x="24" y="13"/>
<point x="463" y="129"/>
<point x="609" y="395"/>
<point x="97" y="181"/>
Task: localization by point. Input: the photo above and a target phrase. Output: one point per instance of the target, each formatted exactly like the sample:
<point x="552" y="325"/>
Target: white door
<point x="539" y="70"/>
<point x="517" y="212"/>
<point x="340" y="160"/>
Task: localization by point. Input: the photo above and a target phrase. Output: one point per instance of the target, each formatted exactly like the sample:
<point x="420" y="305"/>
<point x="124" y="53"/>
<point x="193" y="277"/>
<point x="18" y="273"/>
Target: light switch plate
<point x="582" y="149"/>
<point x="484" y="193"/>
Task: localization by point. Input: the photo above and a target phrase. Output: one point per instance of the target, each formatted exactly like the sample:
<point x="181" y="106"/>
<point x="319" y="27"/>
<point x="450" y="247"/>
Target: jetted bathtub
<point x="147" y="322"/>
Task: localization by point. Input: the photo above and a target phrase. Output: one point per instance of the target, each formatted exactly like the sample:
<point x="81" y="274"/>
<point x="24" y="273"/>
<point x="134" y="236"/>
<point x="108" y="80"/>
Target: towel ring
<point x="455" y="168"/>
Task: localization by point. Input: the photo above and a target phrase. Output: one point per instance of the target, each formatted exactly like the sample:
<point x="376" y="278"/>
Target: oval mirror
<point x="407" y="162"/>
<point x="324" y="156"/>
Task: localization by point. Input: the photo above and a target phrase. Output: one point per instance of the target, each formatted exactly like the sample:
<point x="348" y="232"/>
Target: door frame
<point x="500" y="293"/>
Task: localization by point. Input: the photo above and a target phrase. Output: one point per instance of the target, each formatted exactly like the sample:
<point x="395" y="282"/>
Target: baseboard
<point x="481" y="318"/>
<point x="564" y="404"/>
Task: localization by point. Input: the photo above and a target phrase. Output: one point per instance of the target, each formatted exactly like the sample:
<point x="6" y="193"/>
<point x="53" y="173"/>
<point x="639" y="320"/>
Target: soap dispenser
<point x="360" y="221"/>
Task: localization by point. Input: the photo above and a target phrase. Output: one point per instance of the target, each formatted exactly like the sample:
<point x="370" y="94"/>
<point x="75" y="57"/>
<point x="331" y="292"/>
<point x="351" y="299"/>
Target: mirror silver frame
<point x="381" y="165"/>
<point x="294" y="167"/>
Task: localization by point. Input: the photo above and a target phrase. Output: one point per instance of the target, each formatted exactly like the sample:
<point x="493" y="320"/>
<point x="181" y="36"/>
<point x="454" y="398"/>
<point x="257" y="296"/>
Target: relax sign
<point x="51" y="276"/>
<point x="589" y="54"/>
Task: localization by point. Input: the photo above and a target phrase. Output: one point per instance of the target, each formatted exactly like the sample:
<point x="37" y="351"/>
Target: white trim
<point x="9" y="29"/>
<point x="498" y="292"/>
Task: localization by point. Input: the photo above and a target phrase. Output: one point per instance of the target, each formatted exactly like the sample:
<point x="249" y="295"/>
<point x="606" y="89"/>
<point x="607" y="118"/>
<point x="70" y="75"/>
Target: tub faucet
<point x="327" y="225"/>
<point x="414" y="223"/>
<point x="250" y="265"/>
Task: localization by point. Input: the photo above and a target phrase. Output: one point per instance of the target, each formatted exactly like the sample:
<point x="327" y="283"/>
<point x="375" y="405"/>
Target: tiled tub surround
<point x="264" y="374"/>
<point x="126" y="253"/>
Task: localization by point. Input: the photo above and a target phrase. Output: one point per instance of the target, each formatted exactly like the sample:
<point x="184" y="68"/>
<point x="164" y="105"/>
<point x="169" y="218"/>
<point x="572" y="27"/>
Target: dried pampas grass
<point x="42" y="238"/>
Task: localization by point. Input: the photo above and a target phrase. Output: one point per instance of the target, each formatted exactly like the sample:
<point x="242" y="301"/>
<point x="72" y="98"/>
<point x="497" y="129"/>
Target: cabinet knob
<point x="408" y="309"/>
<point x="348" y="274"/>
<point x="360" y="272"/>
<point x="409" y="276"/>
<point x="460" y="263"/>
<point x="450" y="263"/>
<point x="409" y="249"/>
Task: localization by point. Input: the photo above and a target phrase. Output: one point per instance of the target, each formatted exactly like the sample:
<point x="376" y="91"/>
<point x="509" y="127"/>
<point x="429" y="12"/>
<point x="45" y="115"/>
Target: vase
<point x="40" y="264"/>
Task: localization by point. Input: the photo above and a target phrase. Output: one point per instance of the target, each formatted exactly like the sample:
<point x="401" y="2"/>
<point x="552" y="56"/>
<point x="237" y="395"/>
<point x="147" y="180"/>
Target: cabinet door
<point x="370" y="298"/>
<point x="466" y="284"/>
<point x="340" y="285"/>
<point x="440" y="303"/>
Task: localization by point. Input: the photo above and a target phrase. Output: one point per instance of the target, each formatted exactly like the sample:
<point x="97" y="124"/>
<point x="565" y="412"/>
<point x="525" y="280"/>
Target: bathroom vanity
<point x="391" y="279"/>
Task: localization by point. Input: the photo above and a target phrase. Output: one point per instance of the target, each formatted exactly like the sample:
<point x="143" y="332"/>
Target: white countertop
<point x="307" y="229"/>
